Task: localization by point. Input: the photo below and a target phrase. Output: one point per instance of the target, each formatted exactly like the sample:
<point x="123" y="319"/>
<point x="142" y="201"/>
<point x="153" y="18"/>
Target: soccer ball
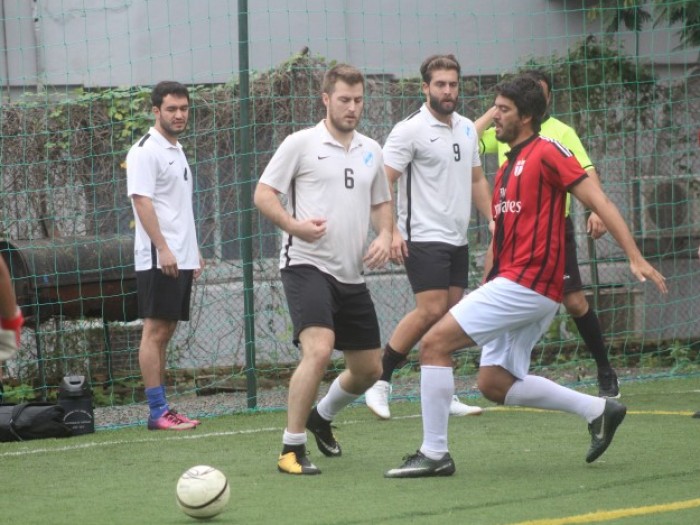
<point x="202" y="492"/>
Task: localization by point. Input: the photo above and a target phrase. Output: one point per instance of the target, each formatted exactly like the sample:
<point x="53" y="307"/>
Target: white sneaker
<point x="457" y="408"/>
<point x="377" y="399"/>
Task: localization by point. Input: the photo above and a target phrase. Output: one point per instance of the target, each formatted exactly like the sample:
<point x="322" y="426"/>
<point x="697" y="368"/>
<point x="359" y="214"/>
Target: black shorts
<point x="572" y="276"/>
<point x="436" y="266"/>
<point x="318" y="299"/>
<point x="163" y="297"/>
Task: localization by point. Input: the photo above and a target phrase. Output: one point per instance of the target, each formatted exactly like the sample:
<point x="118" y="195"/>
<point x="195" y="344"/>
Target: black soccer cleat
<point x="293" y="460"/>
<point x="418" y="466"/>
<point x="608" y="385"/>
<point x="323" y="432"/>
<point x="602" y="428"/>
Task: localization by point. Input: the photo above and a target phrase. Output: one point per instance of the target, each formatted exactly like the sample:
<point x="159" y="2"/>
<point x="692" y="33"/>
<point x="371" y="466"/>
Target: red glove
<point x="15" y="324"/>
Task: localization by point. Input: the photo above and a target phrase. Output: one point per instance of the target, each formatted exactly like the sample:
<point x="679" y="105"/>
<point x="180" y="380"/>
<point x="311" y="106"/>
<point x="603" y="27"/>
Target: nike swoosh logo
<point x="433" y="140"/>
<point x="328" y="447"/>
<point x="407" y="470"/>
<point x="321" y="157"/>
<point x="600" y="434"/>
<point x="172" y="162"/>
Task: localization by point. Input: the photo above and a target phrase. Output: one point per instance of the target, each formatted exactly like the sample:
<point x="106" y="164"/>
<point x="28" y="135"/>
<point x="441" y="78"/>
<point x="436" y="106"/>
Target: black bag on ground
<point x="32" y="421"/>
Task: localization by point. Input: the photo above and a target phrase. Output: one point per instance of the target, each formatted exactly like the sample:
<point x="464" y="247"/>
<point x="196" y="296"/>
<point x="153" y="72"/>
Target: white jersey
<point x="157" y="169"/>
<point x="435" y="189"/>
<point x="323" y="180"/>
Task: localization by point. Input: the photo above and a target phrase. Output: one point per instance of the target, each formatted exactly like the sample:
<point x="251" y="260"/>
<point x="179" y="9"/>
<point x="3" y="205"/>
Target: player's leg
<point x="310" y="303"/>
<point x="437" y="390"/>
<point x="505" y="360"/>
<point x="585" y="317"/>
<point x="162" y="302"/>
<point x="357" y="336"/>
<point x="428" y="268"/>
<point x="459" y="280"/>
<point x="156" y="333"/>
<point x="408" y="332"/>
<point x="316" y="345"/>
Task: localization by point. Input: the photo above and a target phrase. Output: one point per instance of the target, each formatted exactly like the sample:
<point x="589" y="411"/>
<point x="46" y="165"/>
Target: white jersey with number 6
<point x="324" y="181"/>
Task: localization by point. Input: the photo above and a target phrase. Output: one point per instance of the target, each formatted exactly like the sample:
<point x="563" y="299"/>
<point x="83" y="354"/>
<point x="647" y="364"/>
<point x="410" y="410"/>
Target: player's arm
<point x="399" y="249"/>
<point x="486" y="132"/>
<point x="484" y="121"/>
<point x="267" y="200"/>
<point x="143" y="206"/>
<point x="591" y="195"/>
<point x="595" y="226"/>
<point x="11" y="319"/>
<point x="481" y="193"/>
<point x="379" y="249"/>
<point x="199" y="270"/>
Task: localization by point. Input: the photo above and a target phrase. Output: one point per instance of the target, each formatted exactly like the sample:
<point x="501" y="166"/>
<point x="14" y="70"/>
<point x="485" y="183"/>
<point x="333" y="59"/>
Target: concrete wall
<point x="138" y="42"/>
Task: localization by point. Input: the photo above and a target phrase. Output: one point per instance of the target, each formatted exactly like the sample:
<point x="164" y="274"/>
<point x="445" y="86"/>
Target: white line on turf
<point x="159" y="439"/>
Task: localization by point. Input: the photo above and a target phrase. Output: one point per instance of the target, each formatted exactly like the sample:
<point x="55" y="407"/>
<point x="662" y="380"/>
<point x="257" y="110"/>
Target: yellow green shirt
<point x="551" y="128"/>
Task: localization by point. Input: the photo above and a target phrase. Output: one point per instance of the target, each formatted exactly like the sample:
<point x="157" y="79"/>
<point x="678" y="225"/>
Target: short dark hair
<point x="167" y="87"/>
<point x="438" y="62"/>
<point x="540" y="76"/>
<point x="527" y="95"/>
<point x="345" y="72"/>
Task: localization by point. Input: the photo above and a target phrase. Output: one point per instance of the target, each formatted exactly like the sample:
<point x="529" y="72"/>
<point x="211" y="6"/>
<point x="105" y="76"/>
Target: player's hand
<point x="309" y="230"/>
<point x="199" y="271"/>
<point x="378" y="252"/>
<point x="8" y="345"/>
<point x="10" y="332"/>
<point x="399" y="248"/>
<point x="642" y="270"/>
<point x="168" y="262"/>
<point x="596" y="227"/>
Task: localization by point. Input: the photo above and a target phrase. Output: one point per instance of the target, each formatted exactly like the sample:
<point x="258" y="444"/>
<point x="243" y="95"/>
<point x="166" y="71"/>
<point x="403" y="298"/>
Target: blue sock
<point x="156" y="401"/>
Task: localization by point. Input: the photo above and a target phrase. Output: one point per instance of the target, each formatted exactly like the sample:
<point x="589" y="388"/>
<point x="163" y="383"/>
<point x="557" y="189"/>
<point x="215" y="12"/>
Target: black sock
<point x="390" y="362"/>
<point x="589" y="327"/>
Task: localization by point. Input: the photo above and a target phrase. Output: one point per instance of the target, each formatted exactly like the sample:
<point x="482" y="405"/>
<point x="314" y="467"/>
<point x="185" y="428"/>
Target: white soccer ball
<point x="202" y="492"/>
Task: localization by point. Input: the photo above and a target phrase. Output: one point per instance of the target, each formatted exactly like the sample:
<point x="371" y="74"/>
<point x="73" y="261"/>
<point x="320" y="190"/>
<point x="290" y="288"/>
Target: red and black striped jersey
<point x="528" y="205"/>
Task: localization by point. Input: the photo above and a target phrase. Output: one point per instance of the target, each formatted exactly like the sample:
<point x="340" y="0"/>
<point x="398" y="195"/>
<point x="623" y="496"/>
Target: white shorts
<point x="506" y="320"/>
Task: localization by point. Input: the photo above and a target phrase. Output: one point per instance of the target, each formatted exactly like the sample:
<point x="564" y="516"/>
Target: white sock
<point x="335" y="400"/>
<point x="437" y="386"/>
<point x="293" y="439"/>
<point x="539" y="392"/>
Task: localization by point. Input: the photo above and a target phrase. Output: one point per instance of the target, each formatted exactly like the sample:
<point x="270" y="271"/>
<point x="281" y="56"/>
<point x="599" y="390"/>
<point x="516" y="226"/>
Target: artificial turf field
<point x="514" y="466"/>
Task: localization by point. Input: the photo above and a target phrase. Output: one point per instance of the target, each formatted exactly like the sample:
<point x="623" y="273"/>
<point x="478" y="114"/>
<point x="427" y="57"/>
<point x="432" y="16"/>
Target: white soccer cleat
<point x="457" y="408"/>
<point x="377" y="399"/>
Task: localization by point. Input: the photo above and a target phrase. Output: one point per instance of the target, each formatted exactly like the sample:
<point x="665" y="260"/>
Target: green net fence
<point x="76" y="79"/>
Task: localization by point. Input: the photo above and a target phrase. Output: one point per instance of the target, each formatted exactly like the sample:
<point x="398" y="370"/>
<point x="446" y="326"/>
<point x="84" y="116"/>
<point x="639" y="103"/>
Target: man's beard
<point x="436" y="105"/>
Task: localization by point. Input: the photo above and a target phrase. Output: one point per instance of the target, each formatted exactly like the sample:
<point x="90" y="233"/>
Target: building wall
<point x="137" y="42"/>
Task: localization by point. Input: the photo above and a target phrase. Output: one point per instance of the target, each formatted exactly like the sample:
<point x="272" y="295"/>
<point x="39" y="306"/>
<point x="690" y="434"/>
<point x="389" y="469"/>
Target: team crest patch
<point x="368" y="159"/>
<point x="519" y="167"/>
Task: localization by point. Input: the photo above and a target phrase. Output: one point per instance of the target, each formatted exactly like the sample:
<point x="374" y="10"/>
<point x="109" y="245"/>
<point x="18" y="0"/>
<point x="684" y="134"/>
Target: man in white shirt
<point x="335" y="184"/>
<point x="166" y="254"/>
<point x="434" y="156"/>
